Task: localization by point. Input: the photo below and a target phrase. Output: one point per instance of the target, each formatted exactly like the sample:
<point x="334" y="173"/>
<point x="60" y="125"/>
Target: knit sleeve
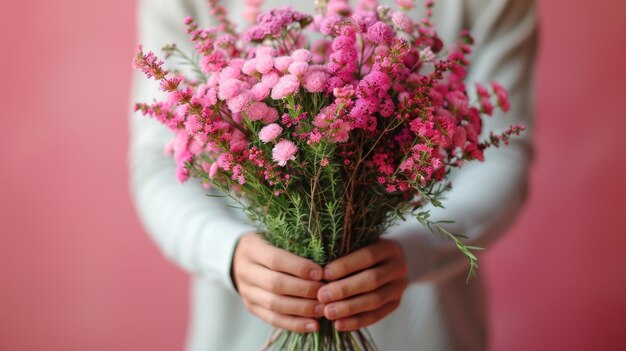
<point x="196" y="231"/>
<point x="486" y="196"/>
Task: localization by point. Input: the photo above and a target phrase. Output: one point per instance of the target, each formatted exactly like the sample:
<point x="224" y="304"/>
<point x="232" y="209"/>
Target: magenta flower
<point x="284" y="151"/>
<point x="272" y="23"/>
<point x="502" y="95"/>
<point x="380" y="33"/>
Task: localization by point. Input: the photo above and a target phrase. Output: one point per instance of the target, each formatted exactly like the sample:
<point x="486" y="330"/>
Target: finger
<point x="279" y="283"/>
<point x="365" y="319"/>
<point x="364" y="303"/>
<point x="284" y="304"/>
<point x="295" y="324"/>
<point x="363" y="282"/>
<point x="359" y="260"/>
<point x="286" y="262"/>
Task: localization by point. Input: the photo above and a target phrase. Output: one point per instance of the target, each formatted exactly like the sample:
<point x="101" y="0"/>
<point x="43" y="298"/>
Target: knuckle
<point x="275" y="283"/>
<point x="376" y="278"/>
<point x="273" y="303"/>
<point x="344" y="290"/>
<point x="274" y="261"/>
<point x="346" y="310"/>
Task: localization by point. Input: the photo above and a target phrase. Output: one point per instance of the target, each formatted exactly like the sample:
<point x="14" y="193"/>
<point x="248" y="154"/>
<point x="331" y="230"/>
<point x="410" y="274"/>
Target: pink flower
<point x="271" y="115"/>
<point x="257" y="111"/>
<point x="282" y="63"/>
<point x="402" y="21"/>
<point x="315" y="81"/>
<point x="284" y="151"/>
<point x="427" y="55"/>
<point x="298" y="68"/>
<point x="260" y="91"/>
<point x="482" y="91"/>
<point x="503" y="96"/>
<point x="229" y="88"/>
<point x="229" y="73"/>
<point x="213" y="170"/>
<point x="270" y="79"/>
<point x="249" y="67"/>
<point x="240" y="102"/>
<point x="302" y="55"/>
<point x="264" y="64"/>
<point x="380" y="33"/>
<point x="287" y="85"/>
<point x="270" y="132"/>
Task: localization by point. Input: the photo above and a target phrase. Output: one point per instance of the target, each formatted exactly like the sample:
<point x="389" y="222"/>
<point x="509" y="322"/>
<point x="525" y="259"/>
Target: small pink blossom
<point x="302" y="55"/>
<point x="298" y="68"/>
<point x="284" y="151"/>
<point x="427" y="55"/>
<point x="213" y="170"/>
<point x="249" y="67"/>
<point x="240" y="102"/>
<point x="229" y="89"/>
<point x="380" y="33"/>
<point x="286" y="86"/>
<point x="260" y="91"/>
<point x="271" y="115"/>
<point x="264" y="64"/>
<point x="257" y="111"/>
<point x="270" y="132"/>
<point x="502" y="95"/>
<point x="402" y="21"/>
<point x="315" y="81"/>
<point x="405" y="4"/>
<point x="270" y="79"/>
<point x="282" y="63"/>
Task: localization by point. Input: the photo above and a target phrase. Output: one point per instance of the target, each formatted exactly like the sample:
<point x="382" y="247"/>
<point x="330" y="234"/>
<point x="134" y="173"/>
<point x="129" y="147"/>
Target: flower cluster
<point x="316" y="138"/>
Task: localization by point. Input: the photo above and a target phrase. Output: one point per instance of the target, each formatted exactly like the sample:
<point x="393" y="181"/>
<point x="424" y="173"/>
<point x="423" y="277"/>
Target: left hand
<point x="364" y="286"/>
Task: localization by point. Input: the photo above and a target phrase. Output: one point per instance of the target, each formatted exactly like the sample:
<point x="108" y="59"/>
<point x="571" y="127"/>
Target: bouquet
<point x="325" y="143"/>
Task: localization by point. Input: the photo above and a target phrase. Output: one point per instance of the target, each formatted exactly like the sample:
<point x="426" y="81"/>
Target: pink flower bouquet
<point x="325" y="144"/>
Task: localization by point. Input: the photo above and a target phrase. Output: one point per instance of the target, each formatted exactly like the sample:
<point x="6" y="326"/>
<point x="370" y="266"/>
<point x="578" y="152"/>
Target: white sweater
<point x="439" y="311"/>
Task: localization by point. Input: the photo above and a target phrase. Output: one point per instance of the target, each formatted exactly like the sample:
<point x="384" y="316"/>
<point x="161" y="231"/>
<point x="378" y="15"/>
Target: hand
<point x="277" y="286"/>
<point x="364" y="286"/>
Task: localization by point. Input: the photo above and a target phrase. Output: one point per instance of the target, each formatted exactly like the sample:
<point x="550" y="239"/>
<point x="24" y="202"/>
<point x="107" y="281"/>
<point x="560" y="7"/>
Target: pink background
<point x="78" y="273"/>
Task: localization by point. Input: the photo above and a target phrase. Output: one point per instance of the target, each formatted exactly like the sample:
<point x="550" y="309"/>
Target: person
<point x="410" y="287"/>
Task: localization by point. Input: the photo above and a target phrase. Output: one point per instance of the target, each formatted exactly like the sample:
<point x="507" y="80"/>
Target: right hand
<point x="276" y="285"/>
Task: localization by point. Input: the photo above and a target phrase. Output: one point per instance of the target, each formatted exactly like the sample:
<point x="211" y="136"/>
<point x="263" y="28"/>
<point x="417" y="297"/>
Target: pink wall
<point x="79" y="274"/>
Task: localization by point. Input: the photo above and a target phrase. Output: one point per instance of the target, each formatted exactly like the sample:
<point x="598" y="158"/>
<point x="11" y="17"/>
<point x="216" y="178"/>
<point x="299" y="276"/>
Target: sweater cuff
<point x="217" y="255"/>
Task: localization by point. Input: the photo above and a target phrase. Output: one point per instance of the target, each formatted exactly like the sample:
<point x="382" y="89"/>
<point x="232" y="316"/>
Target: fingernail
<point x="332" y="312"/>
<point x="326" y="296"/>
<point x="315" y="274"/>
<point x="328" y="273"/>
<point x="319" y="310"/>
<point x="310" y="327"/>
